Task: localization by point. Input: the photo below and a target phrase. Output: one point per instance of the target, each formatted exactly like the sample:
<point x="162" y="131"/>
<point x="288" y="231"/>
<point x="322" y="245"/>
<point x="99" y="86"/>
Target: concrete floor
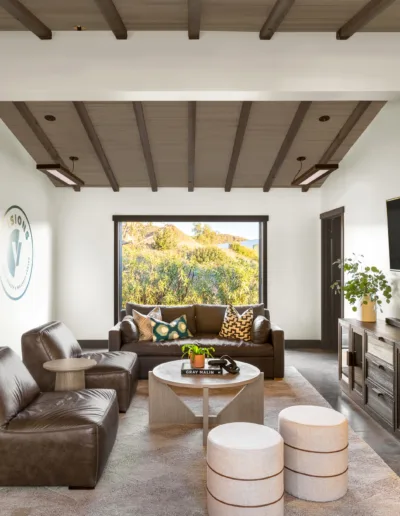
<point x="321" y="370"/>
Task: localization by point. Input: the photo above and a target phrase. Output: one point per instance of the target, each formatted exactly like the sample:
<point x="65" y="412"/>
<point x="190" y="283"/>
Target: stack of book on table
<point x="207" y="370"/>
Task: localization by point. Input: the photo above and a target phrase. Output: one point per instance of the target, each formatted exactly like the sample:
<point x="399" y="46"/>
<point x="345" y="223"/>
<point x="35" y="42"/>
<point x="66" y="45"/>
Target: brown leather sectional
<point x="116" y="370"/>
<point x="266" y="350"/>
<point x="52" y="438"/>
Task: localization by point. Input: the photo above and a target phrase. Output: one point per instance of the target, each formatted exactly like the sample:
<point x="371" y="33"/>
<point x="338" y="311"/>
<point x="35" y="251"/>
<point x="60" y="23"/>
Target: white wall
<point x="368" y="176"/>
<point x="22" y="185"/>
<point x="85" y="249"/>
<point x="166" y="65"/>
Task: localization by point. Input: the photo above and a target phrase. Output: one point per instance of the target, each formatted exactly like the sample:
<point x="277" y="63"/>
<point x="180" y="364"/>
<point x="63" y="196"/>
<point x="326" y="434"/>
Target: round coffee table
<point x="70" y="372"/>
<point x="166" y="407"/>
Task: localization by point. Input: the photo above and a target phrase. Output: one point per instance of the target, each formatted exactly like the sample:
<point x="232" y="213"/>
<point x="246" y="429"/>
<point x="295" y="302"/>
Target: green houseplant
<point x="196" y="354"/>
<point x="366" y="285"/>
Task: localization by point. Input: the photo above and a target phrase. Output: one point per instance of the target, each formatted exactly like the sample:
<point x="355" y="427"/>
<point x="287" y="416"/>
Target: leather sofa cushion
<point x="17" y="387"/>
<point x="62" y="438"/>
<point x="234" y="348"/>
<point x="260" y="330"/>
<point x="111" y="362"/>
<point x="169" y="313"/>
<point x="62" y="410"/>
<point x="129" y="330"/>
<point x="50" y="341"/>
<point x="209" y="318"/>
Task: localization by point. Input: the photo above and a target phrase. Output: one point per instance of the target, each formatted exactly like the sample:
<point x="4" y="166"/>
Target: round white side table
<point x="70" y="372"/>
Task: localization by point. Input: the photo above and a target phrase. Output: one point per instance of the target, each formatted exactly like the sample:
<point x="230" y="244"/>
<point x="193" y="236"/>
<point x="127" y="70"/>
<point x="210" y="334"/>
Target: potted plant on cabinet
<point x="196" y="354"/>
<point x="365" y="285"/>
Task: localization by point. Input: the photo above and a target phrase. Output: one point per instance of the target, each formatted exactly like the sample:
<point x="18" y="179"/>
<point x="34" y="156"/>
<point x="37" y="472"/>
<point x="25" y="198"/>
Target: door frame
<point x="332" y="214"/>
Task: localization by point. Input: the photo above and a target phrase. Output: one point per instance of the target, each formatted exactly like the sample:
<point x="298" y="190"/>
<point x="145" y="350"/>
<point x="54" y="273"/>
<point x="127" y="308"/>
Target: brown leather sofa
<point x="267" y="351"/>
<point x="116" y="370"/>
<point x="52" y="438"/>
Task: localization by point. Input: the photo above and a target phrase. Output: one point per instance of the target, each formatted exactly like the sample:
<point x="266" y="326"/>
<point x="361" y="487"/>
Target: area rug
<point x="161" y="472"/>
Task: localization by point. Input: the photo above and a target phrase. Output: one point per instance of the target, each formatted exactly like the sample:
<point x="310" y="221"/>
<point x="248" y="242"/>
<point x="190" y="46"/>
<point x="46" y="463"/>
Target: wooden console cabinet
<point x="369" y="369"/>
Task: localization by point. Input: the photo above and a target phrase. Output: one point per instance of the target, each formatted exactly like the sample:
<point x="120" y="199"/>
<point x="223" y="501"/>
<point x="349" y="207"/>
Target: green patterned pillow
<point x="177" y="329"/>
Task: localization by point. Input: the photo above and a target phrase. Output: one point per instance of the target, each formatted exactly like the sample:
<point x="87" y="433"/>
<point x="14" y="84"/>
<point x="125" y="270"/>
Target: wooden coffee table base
<point x="167" y="408"/>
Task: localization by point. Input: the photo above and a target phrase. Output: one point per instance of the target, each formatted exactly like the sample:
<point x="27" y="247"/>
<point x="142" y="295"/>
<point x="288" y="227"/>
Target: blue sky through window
<point x="247" y="230"/>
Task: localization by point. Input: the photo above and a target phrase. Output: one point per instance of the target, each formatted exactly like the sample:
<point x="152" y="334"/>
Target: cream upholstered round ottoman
<point x="244" y="471"/>
<point x="316" y="458"/>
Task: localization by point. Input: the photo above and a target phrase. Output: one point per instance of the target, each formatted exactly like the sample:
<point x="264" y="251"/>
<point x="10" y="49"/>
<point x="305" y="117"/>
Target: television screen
<point x="393" y="215"/>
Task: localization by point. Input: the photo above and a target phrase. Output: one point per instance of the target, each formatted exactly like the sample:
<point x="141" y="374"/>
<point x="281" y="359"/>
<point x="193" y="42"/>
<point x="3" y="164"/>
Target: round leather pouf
<point x="316" y="452"/>
<point x="244" y="471"/>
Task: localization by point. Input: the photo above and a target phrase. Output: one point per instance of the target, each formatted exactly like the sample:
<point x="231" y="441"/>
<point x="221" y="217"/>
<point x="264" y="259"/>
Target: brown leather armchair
<point x="114" y="370"/>
<point x="52" y="438"/>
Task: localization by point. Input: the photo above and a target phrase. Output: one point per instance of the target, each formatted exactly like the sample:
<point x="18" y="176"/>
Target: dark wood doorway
<point x="332" y="249"/>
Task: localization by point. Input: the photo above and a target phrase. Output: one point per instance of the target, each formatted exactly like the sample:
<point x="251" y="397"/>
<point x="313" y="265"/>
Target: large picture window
<point x="186" y="260"/>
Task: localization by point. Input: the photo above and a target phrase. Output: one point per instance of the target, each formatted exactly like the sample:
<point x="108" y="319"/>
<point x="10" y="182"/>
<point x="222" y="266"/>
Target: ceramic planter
<point x="368" y="311"/>
<point x="197" y="361"/>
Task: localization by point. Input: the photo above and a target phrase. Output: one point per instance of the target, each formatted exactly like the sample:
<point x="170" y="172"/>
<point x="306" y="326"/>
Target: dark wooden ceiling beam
<point x="194" y="18"/>
<point x="276" y="16"/>
<point x="35" y="127"/>
<point x="344" y="132"/>
<point x="26" y="18"/>
<point x="113" y="18"/>
<point x="237" y="146"/>
<point x="96" y="144"/>
<point x="191" y="144"/>
<point x="362" y="17"/>
<point x="144" y="138"/>
<point x="287" y="143"/>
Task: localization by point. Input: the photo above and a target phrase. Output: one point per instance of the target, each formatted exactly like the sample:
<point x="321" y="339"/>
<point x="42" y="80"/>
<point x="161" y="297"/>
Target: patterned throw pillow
<point x="143" y="322"/>
<point x="236" y="326"/>
<point x="177" y="329"/>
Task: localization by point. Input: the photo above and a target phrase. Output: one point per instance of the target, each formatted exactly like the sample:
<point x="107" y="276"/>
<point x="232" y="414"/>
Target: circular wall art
<point x="16" y="252"/>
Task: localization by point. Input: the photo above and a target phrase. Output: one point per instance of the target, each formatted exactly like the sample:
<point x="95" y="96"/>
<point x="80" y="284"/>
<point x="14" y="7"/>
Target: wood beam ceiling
<point x="364" y="16"/>
<point x="275" y="18"/>
<point x="287" y="143"/>
<point x="237" y="146"/>
<point x="96" y="144"/>
<point x="113" y="18"/>
<point x="344" y="132"/>
<point x="194" y="18"/>
<point x="144" y="138"/>
<point x="35" y="127"/>
<point x="191" y="144"/>
<point x="26" y="18"/>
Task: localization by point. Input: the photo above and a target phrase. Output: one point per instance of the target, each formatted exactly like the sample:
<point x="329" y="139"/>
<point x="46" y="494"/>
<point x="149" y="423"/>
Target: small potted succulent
<point x="364" y="285"/>
<point x="196" y="354"/>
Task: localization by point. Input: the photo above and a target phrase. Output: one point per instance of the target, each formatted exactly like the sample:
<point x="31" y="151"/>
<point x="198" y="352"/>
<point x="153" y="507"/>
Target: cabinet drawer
<point x="380" y="402"/>
<point x="380" y="349"/>
<point x="380" y="373"/>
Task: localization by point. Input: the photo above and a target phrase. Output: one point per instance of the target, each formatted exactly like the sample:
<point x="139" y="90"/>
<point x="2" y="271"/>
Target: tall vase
<point x="368" y="311"/>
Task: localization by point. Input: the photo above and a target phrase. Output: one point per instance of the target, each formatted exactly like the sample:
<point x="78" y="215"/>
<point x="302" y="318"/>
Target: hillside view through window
<point x="186" y="263"/>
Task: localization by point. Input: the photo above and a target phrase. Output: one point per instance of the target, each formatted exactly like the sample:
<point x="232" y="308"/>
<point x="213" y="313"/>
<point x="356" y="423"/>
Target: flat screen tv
<point x="393" y="215"/>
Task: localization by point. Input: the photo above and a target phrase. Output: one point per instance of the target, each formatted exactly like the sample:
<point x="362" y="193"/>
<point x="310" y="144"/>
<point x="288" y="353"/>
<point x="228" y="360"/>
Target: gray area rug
<point x="161" y="472"/>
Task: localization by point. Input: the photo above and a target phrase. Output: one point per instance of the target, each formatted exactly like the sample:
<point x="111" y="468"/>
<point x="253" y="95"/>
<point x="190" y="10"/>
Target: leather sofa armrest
<point x="278" y="342"/>
<point x="115" y="338"/>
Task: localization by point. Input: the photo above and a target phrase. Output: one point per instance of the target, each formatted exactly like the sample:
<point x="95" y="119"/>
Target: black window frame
<point x="263" y="248"/>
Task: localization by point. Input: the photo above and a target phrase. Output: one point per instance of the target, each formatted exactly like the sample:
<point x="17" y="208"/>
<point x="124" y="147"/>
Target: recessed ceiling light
<point x="324" y="118"/>
<point x="79" y="28"/>
<point x="49" y="118"/>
